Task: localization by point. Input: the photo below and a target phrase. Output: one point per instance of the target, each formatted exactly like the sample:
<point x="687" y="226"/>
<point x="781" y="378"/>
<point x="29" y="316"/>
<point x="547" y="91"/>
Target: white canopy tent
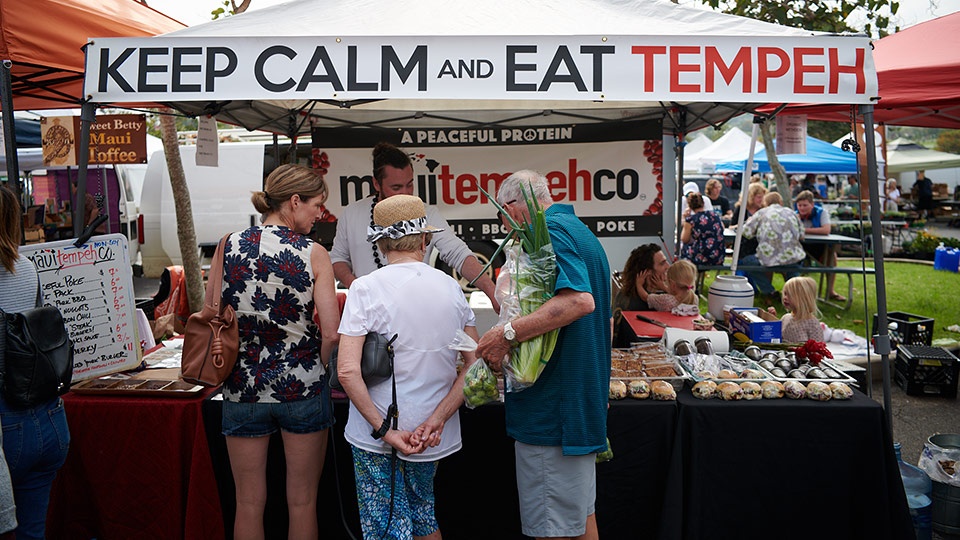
<point x="904" y="155"/>
<point x="500" y="63"/>
<point x="699" y="143"/>
<point x="733" y="143"/>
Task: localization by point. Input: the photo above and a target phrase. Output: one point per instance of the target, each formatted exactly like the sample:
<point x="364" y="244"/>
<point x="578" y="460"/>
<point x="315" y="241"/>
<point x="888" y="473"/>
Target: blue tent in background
<point x="821" y="158"/>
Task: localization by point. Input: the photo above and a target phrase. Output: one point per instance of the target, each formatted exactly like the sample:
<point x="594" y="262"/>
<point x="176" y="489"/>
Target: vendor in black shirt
<point x="720" y="203"/>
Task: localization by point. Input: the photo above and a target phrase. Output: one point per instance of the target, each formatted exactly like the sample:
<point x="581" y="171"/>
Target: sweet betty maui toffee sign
<point x="93" y="287"/>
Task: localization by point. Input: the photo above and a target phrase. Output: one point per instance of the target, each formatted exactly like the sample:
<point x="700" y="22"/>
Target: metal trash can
<point x="946" y="497"/>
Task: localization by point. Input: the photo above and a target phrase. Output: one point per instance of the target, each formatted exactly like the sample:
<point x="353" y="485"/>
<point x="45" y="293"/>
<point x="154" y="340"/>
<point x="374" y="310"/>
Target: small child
<point x="800" y="300"/>
<point x="681" y="279"/>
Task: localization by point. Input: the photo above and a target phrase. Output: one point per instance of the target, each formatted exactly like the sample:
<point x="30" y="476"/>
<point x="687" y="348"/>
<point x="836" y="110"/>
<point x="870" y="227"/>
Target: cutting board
<point x="647" y="330"/>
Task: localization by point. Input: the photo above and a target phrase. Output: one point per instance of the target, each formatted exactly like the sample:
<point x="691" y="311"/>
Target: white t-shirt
<point x="350" y="244"/>
<point x="425" y="308"/>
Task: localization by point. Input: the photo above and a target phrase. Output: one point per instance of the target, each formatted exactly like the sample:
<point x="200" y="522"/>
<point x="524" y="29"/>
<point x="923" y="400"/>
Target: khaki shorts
<point x="557" y="492"/>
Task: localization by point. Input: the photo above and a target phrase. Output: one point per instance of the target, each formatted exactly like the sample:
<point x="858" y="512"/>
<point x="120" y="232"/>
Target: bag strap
<point x="213" y="296"/>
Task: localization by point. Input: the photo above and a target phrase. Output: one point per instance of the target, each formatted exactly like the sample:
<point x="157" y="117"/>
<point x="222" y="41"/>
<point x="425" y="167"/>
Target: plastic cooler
<point x="926" y="371"/>
<point x="911" y="329"/>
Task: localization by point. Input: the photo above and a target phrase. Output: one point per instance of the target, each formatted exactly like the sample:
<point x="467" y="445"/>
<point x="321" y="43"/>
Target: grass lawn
<point x="912" y="288"/>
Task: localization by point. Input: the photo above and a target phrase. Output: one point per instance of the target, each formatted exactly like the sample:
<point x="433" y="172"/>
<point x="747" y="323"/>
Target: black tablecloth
<point x="785" y="469"/>
<point x="476" y="487"/>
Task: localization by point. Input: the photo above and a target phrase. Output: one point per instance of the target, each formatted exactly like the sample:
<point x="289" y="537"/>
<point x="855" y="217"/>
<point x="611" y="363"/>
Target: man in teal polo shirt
<point x="559" y="423"/>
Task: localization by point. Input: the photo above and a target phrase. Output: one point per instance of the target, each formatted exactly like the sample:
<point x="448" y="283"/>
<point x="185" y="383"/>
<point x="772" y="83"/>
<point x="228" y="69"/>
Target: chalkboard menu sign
<point x="92" y="285"/>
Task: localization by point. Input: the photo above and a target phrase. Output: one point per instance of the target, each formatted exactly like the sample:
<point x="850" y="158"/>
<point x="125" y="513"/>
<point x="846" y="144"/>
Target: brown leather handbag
<point x="211" y="337"/>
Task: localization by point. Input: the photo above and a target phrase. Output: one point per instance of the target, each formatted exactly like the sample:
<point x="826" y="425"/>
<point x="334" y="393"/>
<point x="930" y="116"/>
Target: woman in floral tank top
<point x="274" y="277"/>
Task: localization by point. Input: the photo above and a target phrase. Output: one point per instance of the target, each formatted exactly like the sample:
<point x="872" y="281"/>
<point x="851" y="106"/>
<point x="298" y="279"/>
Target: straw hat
<point x="399" y="216"/>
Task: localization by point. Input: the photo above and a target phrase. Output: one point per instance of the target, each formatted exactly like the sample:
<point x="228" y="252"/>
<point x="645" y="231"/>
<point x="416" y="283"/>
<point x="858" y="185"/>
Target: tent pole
<point x="87" y="115"/>
<point x="680" y="134"/>
<point x="882" y="338"/>
<point x="744" y="188"/>
<point x="9" y="128"/>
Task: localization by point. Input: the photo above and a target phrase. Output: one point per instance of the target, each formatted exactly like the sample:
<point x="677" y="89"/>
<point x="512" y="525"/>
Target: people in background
<point x="816" y="220"/>
<point x="702" y="234"/>
<point x="924" y="187"/>
<point x="91" y="210"/>
<point x="692" y="187"/>
<point x="852" y="190"/>
<point x="748" y="246"/>
<point x="681" y="281"/>
<point x="645" y="269"/>
<point x="425" y="308"/>
<point x="720" y="203"/>
<point x="778" y="231"/>
<point x="891" y="196"/>
<point x="275" y="277"/>
<point x="35" y="439"/>
<point x="353" y="256"/>
<point x="809" y="183"/>
<point x="801" y="322"/>
<point x="559" y="423"/>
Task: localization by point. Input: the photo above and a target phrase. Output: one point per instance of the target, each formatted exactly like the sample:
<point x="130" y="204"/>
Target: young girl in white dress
<point x="801" y="323"/>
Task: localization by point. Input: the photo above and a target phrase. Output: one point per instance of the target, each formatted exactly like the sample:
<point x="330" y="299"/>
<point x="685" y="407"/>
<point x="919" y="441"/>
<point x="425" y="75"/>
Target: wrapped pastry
<point x="727" y="374"/>
<point x="706" y="375"/>
<point x="704" y="390"/>
<point x="618" y="389"/>
<point x="771" y="390"/>
<point x="841" y="390"/>
<point x="819" y="391"/>
<point x="751" y="374"/>
<point x="729" y="391"/>
<point x="663" y="391"/>
<point x="638" y="389"/>
<point x="751" y="390"/>
<point x="794" y="389"/>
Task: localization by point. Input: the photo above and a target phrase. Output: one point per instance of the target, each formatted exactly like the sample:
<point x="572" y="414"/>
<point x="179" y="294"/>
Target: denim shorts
<point x="262" y="419"/>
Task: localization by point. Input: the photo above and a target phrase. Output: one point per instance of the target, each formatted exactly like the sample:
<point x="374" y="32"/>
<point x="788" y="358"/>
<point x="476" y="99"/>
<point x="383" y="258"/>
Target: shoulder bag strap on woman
<point x="214" y="293"/>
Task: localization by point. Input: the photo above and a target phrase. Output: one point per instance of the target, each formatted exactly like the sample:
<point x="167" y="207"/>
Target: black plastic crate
<point x="927" y="371"/>
<point x="911" y="329"/>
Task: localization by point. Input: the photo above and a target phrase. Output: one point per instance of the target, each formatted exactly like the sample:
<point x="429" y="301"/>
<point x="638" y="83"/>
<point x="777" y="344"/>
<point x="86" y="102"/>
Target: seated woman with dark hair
<point x="646" y="269"/>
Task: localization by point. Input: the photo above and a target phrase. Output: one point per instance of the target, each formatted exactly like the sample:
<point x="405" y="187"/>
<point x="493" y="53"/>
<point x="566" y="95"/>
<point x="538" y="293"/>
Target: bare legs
<point x="304" y="454"/>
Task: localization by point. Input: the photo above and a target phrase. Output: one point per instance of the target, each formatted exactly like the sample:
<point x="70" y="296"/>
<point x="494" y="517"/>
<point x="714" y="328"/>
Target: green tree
<point x="817" y="15"/>
<point x="949" y="141"/>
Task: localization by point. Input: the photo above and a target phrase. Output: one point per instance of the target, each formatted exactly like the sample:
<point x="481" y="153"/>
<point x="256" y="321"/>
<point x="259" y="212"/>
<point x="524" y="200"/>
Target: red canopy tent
<point x="44" y="38"/>
<point x="919" y="78"/>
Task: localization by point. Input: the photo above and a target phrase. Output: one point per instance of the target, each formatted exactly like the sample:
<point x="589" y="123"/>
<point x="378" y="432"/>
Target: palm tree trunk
<point x="186" y="233"/>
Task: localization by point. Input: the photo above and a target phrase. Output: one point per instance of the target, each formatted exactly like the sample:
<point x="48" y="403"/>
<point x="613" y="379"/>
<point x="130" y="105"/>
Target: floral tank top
<point x="268" y="279"/>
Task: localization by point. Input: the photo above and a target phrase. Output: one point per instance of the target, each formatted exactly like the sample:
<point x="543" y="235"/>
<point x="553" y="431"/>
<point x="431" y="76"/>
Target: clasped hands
<point x="427" y="435"/>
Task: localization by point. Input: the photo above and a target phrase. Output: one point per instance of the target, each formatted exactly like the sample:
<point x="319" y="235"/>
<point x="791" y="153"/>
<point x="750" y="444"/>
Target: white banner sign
<point x="827" y="69"/>
<point x="614" y="184"/>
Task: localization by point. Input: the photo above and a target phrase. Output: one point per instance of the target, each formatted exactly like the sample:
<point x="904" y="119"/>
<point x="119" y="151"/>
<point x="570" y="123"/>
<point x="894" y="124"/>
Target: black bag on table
<point x="36" y="356"/>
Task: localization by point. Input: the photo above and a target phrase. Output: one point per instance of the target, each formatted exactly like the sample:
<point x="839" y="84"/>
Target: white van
<point x="220" y="199"/>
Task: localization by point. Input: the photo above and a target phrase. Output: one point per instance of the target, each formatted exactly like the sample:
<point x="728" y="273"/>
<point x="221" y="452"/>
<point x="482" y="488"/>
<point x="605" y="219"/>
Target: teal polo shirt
<point x="567" y="406"/>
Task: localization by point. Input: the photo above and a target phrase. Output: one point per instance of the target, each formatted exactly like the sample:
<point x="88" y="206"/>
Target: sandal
<point x="838" y="297"/>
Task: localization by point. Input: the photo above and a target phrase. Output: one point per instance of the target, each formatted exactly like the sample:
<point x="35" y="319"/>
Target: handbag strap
<point x="214" y="292"/>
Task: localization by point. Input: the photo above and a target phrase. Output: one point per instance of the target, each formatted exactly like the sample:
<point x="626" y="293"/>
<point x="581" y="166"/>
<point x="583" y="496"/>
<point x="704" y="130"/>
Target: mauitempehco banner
<point x="115" y="139"/>
<point x="611" y="172"/>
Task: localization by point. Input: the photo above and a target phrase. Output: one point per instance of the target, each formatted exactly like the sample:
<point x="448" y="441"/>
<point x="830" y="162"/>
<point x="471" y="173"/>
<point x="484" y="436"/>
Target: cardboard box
<point x="758" y="324"/>
<point x="34" y="236"/>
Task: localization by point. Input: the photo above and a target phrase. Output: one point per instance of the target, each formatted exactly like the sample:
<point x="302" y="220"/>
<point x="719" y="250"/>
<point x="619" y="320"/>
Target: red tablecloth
<point x="137" y="468"/>
<point x="649" y="330"/>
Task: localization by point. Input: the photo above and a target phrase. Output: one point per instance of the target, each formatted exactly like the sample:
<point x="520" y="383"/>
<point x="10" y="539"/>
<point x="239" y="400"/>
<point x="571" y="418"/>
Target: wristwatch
<point x="510" y="334"/>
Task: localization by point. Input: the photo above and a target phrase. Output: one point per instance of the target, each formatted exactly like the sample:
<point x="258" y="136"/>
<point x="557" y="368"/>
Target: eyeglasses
<point x="504" y="206"/>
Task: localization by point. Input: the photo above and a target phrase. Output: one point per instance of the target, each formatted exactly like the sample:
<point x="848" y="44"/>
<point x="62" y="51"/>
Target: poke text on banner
<point x="93" y="287"/>
<point x="580" y="68"/>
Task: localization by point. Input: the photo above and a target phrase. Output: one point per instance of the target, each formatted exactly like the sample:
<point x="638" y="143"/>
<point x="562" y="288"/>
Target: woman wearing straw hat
<point x="424" y="308"/>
